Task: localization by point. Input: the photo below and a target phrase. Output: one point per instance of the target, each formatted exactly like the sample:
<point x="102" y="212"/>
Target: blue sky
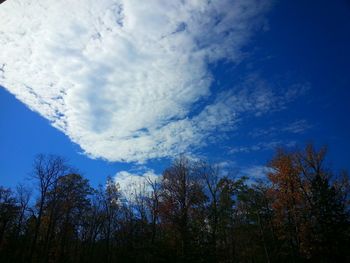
<point x="123" y="96"/>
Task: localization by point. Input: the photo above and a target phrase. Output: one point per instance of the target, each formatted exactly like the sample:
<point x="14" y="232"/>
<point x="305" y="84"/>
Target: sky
<point x="120" y="87"/>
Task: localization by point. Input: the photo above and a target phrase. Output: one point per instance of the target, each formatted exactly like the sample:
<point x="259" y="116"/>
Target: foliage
<point x="196" y="213"/>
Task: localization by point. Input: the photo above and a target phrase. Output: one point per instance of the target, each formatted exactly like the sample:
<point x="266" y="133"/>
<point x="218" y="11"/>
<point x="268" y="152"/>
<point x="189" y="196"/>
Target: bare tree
<point x="210" y="174"/>
<point x="153" y="205"/>
<point x="46" y="170"/>
<point x="23" y="195"/>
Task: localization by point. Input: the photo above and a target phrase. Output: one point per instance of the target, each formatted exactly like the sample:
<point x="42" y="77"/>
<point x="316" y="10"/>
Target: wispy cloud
<point x="262" y="146"/>
<point x="119" y="77"/>
<point x="296" y="127"/>
<point x="299" y="126"/>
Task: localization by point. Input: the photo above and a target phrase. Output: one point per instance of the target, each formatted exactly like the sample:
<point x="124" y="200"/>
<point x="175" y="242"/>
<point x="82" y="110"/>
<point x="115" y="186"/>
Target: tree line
<point x="194" y="213"/>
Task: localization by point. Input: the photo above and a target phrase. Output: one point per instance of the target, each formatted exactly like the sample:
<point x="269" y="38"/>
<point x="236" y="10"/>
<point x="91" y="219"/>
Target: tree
<point x="153" y="201"/>
<point x="46" y="170"/>
<point x="195" y="213"/>
<point x="182" y="198"/>
<point x="111" y="205"/>
<point x="328" y="215"/>
<point x="310" y="211"/>
<point x="20" y="237"/>
<point x="8" y="212"/>
<point x="22" y="196"/>
<point x="73" y="202"/>
<point x="290" y="206"/>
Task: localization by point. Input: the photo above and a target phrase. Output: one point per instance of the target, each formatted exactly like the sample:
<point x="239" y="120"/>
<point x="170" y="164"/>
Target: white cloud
<point x="132" y="184"/>
<point x="255" y="172"/>
<point x="119" y="77"/>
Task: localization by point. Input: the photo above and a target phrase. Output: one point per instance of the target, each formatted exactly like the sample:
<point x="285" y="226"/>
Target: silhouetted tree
<point x="182" y="197"/>
<point x="46" y="171"/>
<point x="194" y="213"/>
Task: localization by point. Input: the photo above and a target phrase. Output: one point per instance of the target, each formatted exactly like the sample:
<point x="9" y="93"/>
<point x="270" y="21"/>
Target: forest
<point x="195" y="213"/>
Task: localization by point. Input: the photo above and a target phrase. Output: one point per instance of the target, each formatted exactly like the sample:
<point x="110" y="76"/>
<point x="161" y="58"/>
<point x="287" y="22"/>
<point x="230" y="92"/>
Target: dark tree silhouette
<point x="195" y="212"/>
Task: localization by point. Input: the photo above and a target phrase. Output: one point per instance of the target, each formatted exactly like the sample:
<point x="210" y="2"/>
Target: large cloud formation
<point x="120" y="77"/>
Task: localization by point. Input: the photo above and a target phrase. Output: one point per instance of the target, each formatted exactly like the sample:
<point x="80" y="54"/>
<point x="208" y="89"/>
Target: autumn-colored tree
<point x="309" y="210"/>
<point x="182" y="198"/>
<point x="289" y="204"/>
